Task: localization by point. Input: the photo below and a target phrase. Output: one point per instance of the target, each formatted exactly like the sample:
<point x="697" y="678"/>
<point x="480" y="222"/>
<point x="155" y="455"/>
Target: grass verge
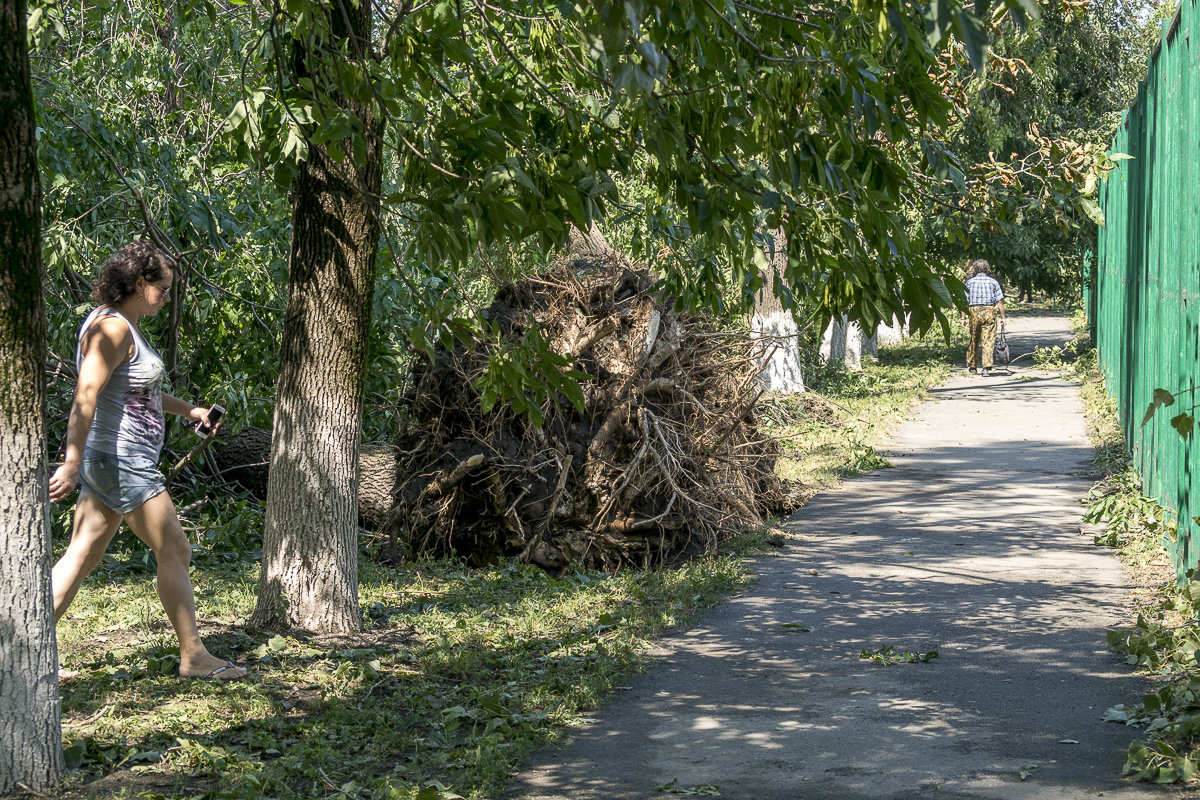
<point x="460" y="671"/>
<point x="1165" y="635"/>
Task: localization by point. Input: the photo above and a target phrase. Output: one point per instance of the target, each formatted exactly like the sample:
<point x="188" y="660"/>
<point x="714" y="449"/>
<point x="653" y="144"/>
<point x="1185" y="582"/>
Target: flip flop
<point x="215" y="674"/>
<point x="67" y="675"/>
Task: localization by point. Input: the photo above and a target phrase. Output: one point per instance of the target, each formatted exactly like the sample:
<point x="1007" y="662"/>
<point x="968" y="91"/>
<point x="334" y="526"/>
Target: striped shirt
<point x="983" y="290"/>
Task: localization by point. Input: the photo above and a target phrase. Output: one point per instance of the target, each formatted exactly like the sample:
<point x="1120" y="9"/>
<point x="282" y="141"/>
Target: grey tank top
<point x="129" y="416"/>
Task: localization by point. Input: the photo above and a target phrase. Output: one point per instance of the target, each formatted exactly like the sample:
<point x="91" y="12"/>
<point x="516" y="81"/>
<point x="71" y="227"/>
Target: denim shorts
<point x="123" y="483"/>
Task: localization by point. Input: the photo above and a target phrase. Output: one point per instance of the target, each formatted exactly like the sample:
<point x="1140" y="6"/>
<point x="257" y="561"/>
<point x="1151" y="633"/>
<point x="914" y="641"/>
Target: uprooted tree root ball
<point x="666" y="456"/>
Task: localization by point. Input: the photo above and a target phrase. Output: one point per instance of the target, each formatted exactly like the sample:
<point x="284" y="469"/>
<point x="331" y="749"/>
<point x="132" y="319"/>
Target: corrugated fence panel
<point x="1144" y="293"/>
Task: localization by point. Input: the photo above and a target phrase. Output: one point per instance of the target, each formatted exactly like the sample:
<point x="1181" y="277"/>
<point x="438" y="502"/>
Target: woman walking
<point x="114" y="438"/>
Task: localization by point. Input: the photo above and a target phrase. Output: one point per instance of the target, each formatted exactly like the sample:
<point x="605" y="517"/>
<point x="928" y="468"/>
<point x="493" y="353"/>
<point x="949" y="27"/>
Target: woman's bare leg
<point x="156" y="524"/>
<point x="91" y="531"/>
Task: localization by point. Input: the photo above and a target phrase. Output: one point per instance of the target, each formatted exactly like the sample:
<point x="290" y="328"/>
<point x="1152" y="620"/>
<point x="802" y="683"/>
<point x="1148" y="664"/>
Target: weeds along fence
<point x="1144" y="301"/>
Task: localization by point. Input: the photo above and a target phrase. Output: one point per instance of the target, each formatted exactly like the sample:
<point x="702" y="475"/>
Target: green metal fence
<point x="1145" y="294"/>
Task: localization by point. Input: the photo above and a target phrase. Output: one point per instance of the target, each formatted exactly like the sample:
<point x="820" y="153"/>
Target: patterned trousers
<point x="983" y="337"/>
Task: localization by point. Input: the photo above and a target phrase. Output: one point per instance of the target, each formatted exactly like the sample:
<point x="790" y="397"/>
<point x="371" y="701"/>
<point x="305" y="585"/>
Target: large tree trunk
<point x="310" y="544"/>
<point x="30" y="736"/>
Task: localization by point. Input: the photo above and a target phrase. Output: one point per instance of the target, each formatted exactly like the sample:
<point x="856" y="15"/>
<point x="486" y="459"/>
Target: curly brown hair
<point x="117" y="277"/>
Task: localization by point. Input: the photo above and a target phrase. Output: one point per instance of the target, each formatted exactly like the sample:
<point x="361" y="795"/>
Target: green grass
<point x="1164" y="638"/>
<point x="460" y="672"/>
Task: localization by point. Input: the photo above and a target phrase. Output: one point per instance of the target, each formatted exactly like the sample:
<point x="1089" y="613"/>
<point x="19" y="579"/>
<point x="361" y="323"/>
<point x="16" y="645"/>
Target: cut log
<point x="244" y="458"/>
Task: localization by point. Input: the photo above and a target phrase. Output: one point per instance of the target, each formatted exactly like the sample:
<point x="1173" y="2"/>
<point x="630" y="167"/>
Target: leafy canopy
<point x="687" y="128"/>
<point x="1048" y="102"/>
<point x="511" y="122"/>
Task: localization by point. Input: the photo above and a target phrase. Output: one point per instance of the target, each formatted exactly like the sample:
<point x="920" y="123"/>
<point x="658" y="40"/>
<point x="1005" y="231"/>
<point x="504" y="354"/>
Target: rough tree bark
<point x="30" y="734"/>
<point x="310" y="544"/>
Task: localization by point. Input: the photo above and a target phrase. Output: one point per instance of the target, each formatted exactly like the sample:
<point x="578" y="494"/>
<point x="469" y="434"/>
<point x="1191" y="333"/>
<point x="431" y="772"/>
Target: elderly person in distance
<point x="985" y="301"/>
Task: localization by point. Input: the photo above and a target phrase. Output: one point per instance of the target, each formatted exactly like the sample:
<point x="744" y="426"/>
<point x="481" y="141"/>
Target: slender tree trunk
<point x="783" y="370"/>
<point x="30" y="734"/>
<point x="310" y="541"/>
<point x="167" y="33"/>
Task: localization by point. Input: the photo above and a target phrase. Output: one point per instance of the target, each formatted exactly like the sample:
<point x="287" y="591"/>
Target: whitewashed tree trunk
<point x="844" y="342"/>
<point x="833" y="342"/>
<point x="895" y="333"/>
<point x="852" y="356"/>
<point x="30" y="733"/>
<point x="777" y="329"/>
<point x="780" y="337"/>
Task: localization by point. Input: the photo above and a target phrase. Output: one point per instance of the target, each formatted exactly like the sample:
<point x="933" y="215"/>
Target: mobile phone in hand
<point x="214" y="415"/>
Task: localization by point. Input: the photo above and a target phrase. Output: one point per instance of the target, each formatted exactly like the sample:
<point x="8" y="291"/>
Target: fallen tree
<point x="664" y="456"/>
<point x="245" y="458"/>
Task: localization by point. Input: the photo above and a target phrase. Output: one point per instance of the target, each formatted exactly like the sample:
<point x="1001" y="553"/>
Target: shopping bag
<point x="1003" y="356"/>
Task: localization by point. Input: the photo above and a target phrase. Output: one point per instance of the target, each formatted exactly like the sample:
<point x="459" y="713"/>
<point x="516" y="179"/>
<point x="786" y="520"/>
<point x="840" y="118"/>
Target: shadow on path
<point x="971" y="547"/>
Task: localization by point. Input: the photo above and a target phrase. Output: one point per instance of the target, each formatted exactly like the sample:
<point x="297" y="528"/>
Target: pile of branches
<point x="666" y="456"/>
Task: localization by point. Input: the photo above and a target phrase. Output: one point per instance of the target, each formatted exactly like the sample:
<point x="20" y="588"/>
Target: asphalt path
<point x="971" y="547"/>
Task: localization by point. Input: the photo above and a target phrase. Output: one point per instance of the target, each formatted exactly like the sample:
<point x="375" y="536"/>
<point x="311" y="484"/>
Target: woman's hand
<point x="200" y="415"/>
<point x="62" y="482"/>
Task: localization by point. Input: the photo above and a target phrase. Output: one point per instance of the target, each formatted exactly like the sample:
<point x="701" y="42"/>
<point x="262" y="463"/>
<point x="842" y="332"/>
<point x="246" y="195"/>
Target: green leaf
<point x="1093" y="210"/>
<point x="574" y="393"/>
<point x="74" y="753"/>
<point x="1116" y="713"/>
<point x="235" y="118"/>
<point x="1160" y="399"/>
<point x="1029" y="7"/>
<point x="940" y="290"/>
<point x="1183" y="423"/>
<point x="937" y="21"/>
<point x="520" y="177"/>
<point x="974" y="38"/>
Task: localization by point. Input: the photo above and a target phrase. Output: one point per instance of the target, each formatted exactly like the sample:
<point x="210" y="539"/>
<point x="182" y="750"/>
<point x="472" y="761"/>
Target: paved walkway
<point x="970" y="546"/>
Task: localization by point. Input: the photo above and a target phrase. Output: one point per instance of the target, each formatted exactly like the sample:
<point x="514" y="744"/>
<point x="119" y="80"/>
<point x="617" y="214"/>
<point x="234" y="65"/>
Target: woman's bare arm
<point x="106" y="344"/>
